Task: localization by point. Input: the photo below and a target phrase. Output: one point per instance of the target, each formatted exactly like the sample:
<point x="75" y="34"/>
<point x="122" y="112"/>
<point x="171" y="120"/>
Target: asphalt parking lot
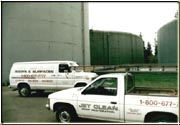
<point x="16" y="109"/>
<point x="25" y="109"/>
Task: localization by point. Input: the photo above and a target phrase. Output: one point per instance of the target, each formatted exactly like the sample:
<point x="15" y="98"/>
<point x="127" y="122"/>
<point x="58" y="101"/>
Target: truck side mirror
<point x="83" y="92"/>
<point x="89" y="90"/>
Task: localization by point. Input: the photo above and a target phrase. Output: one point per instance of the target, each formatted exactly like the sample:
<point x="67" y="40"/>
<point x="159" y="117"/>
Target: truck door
<point x="65" y="77"/>
<point x="100" y="100"/>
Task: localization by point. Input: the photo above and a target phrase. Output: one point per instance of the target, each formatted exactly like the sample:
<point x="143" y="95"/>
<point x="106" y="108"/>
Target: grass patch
<point x="157" y="80"/>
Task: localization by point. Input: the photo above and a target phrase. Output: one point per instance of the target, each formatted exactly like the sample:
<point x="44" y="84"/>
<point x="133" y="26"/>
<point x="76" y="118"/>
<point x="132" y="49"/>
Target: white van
<point x="46" y="75"/>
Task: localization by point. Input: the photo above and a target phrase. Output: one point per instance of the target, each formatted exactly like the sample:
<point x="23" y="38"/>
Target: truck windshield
<point x="129" y="83"/>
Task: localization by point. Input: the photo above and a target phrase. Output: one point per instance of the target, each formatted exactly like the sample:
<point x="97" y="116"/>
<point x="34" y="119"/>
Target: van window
<point x="64" y="68"/>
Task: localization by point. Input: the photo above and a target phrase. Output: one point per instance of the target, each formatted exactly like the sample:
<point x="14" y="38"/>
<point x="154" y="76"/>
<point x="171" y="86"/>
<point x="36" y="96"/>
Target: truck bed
<point x="153" y="91"/>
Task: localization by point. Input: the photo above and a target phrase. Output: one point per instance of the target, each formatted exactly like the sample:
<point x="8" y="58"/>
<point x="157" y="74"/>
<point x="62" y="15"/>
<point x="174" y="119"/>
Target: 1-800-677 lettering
<point x="158" y="103"/>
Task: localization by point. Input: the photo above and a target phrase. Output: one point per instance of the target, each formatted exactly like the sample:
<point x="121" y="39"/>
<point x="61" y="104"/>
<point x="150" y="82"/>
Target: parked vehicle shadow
<point x="40" y="94"/>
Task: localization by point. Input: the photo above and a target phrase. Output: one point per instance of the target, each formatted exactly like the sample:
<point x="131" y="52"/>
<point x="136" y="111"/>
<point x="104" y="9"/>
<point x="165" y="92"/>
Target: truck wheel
<point x="162" y="118"/>
<point x="65" y="114"/>
<point x="24" y="91"/>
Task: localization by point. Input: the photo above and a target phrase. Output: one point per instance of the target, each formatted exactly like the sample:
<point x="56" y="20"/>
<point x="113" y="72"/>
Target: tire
<point x="65" y="114"/>
<point x="162" y="118"/>
<point x="24" y="91"/>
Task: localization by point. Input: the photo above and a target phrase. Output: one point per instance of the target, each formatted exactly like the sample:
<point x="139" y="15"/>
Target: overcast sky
<point x="132" y="17"/>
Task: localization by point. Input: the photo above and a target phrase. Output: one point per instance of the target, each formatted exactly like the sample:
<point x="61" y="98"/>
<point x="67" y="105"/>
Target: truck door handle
<point x="113" y="102"/>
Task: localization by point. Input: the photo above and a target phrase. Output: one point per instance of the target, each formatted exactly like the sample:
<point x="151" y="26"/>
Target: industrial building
<point x="167" y="43"/>
<point x="39" y="31"/>
<point x="115" y="48"/>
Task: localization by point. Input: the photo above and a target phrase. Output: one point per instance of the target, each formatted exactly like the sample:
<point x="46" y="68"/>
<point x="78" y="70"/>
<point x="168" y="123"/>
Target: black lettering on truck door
<point x="102" y="96"/>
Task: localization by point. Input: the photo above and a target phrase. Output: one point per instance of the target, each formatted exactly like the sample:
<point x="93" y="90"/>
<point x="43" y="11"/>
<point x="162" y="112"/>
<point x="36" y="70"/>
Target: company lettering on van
<point x="43" y="71"/>
<point x="20" y="71"/>
<point x="34" y="71"/>
<point x="33" y="76"/>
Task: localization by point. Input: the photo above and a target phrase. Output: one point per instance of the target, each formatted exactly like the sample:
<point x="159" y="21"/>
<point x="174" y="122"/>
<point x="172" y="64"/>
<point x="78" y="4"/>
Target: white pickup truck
<point x="114" y="97"/>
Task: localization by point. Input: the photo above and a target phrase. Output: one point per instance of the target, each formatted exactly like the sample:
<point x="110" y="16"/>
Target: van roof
<point x="71" y="63"/>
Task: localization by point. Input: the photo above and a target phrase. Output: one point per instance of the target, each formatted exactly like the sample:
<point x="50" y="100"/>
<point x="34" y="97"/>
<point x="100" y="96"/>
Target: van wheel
<point x="24" y="91"/>
<point x="80" y="84"/>
<point x="65" y="114"/>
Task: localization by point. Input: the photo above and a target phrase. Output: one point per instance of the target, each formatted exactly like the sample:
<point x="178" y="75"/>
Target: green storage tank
<point x="115" y="48"/>
<point x="167" y="43"/>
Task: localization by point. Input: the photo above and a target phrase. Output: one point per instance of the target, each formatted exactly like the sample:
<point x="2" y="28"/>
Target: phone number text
<point x="158" y="103"/>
